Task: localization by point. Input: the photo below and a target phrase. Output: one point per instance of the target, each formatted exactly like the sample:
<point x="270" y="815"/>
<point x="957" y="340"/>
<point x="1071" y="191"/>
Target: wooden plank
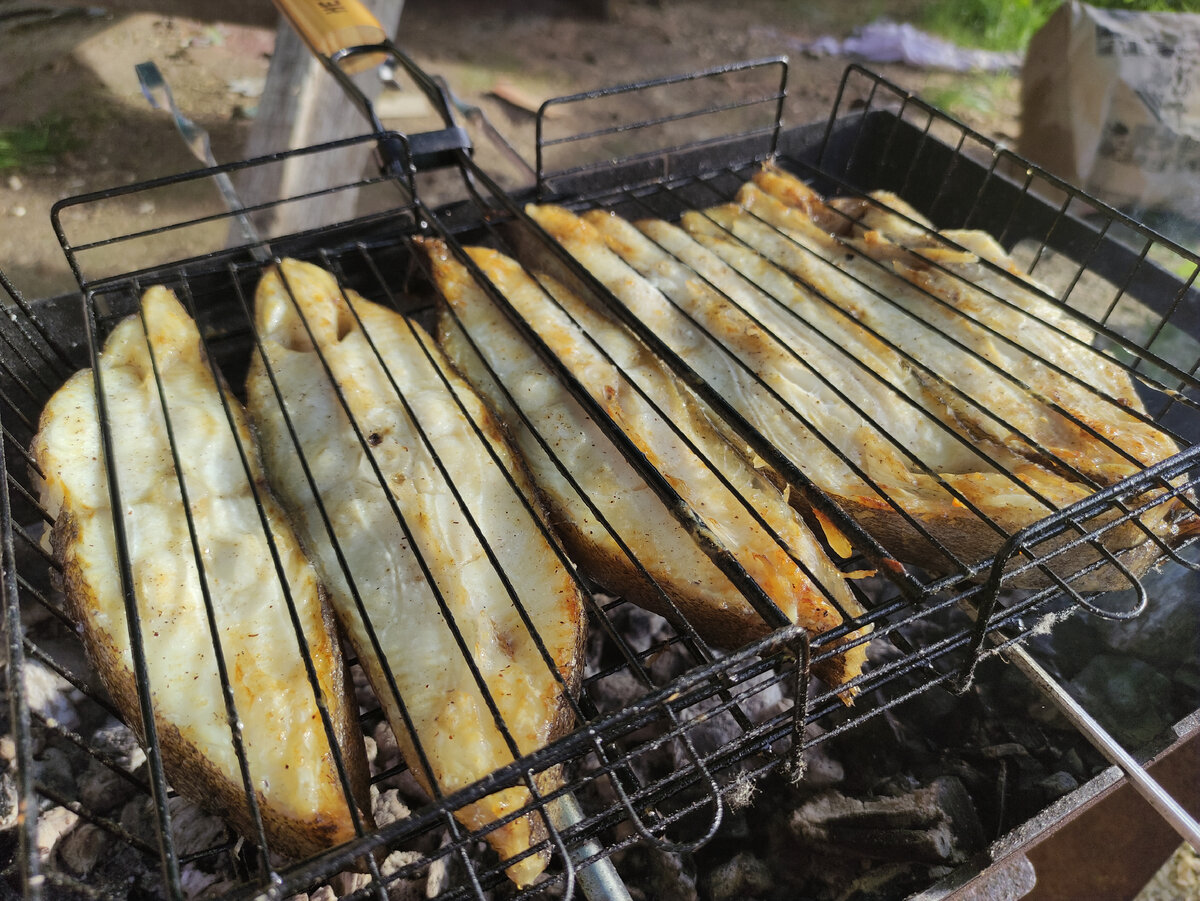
<point x="302" y="104"/>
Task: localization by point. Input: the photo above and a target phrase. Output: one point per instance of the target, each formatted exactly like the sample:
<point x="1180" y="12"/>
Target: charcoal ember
<point x="652" y="874"/>
<point x="402" y="888"/>
<point x="52" y="825"/>
<point x="1186" y="679"/>
<point x="363" y="693"/>
<point x="348" y="883"/>
<point x="199" y="885"/>
<point x="874" y="747"/>
<point x="51" y="696"/>
<point x="388" y="807"/>
<point x="387" y="751"/>
<point x="103" y="784"/>
<point x="931" y="824"/>
<point x="54" y="773"/>
<point x="194" y="830"/>
<point x="82" y="848"/>
<point x="8" y="800"/>
<point x="371" y="750"/>
<point x="1055" y="786"/>
<point x="744" y="876"/>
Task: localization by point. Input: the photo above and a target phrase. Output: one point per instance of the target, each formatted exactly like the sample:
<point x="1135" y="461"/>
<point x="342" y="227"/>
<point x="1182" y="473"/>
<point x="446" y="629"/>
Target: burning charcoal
<point x="387" y="752"/>
<point x="8" y="800"/>
<point x="657" y="875"/>
<point x="1056" y="785"/>
<point x="935" y="824"/>
<point x="50" y="695"/>
<point x="403" y="889"/>
<point x="193" y="829"/>
<point x="742" y="877"/>
<point x="1164" y="633"/>
<point x="52" y="825"/>
<point x="198" y="884"/>
<point x="54" y="771"/>
<point x="101" y="788"/>
<point x="82" y="848"/>
<point x="1129" y="697"/>
<point x="388" y="808"/>
<point x="347" y="883"/>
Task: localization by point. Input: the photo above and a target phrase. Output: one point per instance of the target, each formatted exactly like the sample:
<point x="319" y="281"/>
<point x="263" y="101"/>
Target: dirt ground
<point x="77" y="69"/>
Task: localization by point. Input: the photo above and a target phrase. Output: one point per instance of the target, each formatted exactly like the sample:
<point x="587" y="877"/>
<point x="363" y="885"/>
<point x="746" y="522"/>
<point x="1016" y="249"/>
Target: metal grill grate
<point x="877" y="138"/>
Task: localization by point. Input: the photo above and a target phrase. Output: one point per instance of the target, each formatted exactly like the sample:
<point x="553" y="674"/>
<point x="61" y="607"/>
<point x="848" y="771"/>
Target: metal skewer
<point x="1145" y="784"/>
<point x="158" y="93"/>
<point x="599" y="880"/>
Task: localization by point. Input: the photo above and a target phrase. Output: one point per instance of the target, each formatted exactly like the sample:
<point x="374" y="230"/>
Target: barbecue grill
<point x="728" y="717"/>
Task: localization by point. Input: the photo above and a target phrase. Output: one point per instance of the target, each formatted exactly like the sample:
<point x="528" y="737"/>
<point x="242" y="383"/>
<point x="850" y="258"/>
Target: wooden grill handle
<point x="330" y="26"/>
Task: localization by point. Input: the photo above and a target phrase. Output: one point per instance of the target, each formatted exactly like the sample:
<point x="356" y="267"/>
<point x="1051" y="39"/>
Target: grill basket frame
<point x="51" y="337"/>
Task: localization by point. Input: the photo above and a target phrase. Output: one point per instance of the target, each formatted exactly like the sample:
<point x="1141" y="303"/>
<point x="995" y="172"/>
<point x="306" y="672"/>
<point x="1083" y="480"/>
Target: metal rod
<point x="158" y="93"/>
<point x="1145" y="784"/>
<point x="599" y="880"/>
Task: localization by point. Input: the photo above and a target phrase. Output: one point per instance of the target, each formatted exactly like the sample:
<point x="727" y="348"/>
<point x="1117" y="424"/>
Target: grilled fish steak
<point x="407" y="549"/>
<point x="1009" y="348"/>
<point x="668" y="425"/>
<point x="244" y="555"/>
<point x="882" y="436"/>
<point x="1023" y="371"/>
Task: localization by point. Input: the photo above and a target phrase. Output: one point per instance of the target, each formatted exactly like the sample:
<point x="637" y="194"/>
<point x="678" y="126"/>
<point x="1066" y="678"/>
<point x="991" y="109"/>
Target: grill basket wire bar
<point x="76" y="248"/>
<point x="769" y="130"/>
<point x="28" y="863"/>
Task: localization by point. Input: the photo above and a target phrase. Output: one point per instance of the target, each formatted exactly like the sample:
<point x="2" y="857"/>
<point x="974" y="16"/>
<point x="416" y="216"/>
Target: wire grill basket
<point x="726" y="717"/>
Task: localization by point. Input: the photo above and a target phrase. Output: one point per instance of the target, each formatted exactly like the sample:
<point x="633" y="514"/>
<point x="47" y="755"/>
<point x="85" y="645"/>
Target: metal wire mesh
<point x="934" y="625"/>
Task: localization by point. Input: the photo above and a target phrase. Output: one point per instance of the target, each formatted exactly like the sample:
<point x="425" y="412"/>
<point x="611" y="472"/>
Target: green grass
<point x="1009" y="24"/>
<point x="973" y="92"/>
<point x="36" y="143"/>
